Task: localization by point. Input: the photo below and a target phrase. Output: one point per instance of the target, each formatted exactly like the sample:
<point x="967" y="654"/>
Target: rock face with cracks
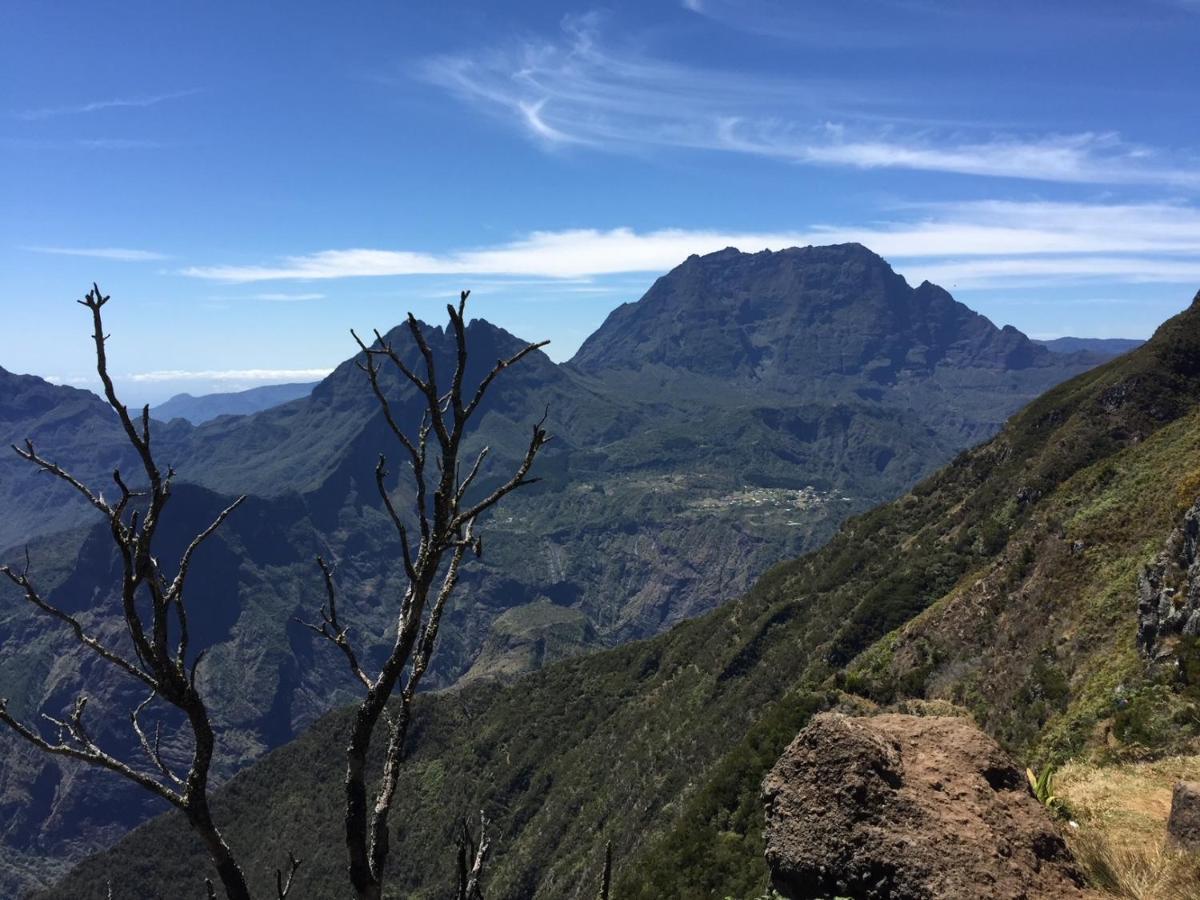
<point x="908" y="807"/>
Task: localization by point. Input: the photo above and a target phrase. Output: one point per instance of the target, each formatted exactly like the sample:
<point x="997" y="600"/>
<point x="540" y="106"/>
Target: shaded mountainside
<point x="666" y="492"/>
<point x="199" y="410"/>
<point x="789" y="318"/>
<point x="81" y="432"/>
<point x="1007" y="582"/>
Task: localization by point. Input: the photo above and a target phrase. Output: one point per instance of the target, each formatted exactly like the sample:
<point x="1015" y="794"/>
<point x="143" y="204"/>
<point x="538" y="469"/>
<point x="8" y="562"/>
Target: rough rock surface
<point x="1183" y="827"/>
<point x="1169" y="588"/>
<point x="908" y="807"/>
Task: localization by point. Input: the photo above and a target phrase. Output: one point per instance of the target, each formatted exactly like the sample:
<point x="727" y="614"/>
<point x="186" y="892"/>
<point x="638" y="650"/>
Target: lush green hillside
<point x="1007" y="581"/>
<point x="731" y="418"/>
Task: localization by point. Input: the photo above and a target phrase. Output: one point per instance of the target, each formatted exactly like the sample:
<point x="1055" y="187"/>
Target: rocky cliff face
<point x="899" y="807"/>
<point x="776" y="318"/>
<point x="1169" y="589"/>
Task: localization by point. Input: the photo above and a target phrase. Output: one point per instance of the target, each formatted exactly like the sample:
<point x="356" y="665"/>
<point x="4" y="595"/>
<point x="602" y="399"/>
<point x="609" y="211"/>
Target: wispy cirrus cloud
<point x="280" y="297"/>
<point x="576" y="91"/>
<point x="975" y="243"/>
<point x="92" y="106"/>
<point x="269" y="376"/>
<point x="118" y="254"/>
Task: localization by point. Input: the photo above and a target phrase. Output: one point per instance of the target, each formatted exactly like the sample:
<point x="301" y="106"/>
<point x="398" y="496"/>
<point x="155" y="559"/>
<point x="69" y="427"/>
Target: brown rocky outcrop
<point x="908" y="807"/>
<point x="1183" y="826"/>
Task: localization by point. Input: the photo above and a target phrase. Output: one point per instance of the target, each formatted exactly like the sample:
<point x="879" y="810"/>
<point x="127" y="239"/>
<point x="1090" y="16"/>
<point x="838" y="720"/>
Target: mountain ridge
<point x="199" y="409"/>
<point x="665" y="493"/>
<point x="882" y="323"/>
<point x="660" y="746"/>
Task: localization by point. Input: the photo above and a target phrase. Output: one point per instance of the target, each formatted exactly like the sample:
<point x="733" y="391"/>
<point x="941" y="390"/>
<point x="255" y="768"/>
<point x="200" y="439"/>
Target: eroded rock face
<point x="908" y="807"/>
<point x="1169" y="588"/>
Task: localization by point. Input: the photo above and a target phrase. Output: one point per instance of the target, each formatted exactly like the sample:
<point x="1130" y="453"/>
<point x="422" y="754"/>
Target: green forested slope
<point x="1022" y="554"/>
<point x="733" y="417"/>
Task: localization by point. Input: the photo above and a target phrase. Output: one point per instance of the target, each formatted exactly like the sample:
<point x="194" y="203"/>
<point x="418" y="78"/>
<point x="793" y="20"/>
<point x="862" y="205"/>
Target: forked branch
<point x="150" y="602"/>
<point x="433" y="543"/>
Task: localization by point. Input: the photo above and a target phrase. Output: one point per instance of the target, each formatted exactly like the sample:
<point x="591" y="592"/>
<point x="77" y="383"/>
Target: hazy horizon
<point x="340" y="167"/>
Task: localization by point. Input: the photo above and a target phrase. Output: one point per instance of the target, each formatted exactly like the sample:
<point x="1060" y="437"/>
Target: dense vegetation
<point x="1005" y="582"/>
<point x="732" y="418"/>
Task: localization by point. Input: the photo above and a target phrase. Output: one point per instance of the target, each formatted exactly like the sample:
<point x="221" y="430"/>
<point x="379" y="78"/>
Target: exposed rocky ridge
<point x="1169" y="589"/>
<point x="806" y="312"/>
<point x="662" y="745"/>
<point x="908" y="808"/>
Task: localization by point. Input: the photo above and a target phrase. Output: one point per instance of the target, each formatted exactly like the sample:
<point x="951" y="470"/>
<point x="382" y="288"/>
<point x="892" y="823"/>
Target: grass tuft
<point x="1119" y="838"/>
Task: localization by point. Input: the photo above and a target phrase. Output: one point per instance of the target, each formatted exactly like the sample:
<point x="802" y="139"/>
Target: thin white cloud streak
<point x="266" y="375"/>
<point x="74" y="381"/>
<point x="50" y="112"/>
<point x="286" y="298"/>
<point x="575" y="92"/>
<point x="120" y="254"/>
<point x="1086" y="158"/>
<point x="1039" y="271"/>
<point x="1041" y="240"/>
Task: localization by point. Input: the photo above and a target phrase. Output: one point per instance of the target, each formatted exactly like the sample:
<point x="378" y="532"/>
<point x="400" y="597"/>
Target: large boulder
<point x="1183" y="827"/>
<point x="908" y="807"/>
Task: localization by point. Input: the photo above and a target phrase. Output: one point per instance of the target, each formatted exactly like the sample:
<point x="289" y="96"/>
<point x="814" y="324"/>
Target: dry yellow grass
<point x="1121" y="822"/>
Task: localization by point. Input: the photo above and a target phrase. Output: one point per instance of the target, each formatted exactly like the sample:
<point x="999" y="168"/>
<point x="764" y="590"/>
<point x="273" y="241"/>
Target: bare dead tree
<point x="471" y="858"/>
<point x="283" y="883"/>
<point x="445" y="531"/>
<point x="155" y="618"/>
<point x="606" y="873"/>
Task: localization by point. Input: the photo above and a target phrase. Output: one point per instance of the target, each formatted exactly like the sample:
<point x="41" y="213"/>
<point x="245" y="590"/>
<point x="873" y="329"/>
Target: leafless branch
<point x="331" y="629"/>
<point x="160" y="662"/>
<point x="21" y="580"/>
<point x="74" y="742"/>
<point x="606" y="874"/>
<point x="53" y="468"/>
<point x="152" y="748"/>
<point x="284" y="885"/>
<point x="471" y="859"/>
<point x="446" y="529"/>
<point x="401" y="531"/>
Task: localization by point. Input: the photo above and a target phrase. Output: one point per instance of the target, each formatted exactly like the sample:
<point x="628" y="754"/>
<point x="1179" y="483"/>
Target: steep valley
<point x="734" y="417"/>
<point x="1008" y="582"/>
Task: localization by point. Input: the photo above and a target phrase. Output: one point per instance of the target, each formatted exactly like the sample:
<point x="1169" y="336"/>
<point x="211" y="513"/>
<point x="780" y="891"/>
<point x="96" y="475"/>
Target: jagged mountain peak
<point x="779" y="317"/>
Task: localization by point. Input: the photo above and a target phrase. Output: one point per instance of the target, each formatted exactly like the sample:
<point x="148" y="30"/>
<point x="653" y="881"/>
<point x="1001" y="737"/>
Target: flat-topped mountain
<point x="198" y="410"/>
<point x="1106" y="348"/>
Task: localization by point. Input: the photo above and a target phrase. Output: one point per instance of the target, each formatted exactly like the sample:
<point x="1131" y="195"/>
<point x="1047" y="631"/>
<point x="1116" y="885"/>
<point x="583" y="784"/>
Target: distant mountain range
<point x="732" y="417"/>
<point x="199" y="410"/>
<point x="1008" y="584"/>
<point x="1106" y="348"/>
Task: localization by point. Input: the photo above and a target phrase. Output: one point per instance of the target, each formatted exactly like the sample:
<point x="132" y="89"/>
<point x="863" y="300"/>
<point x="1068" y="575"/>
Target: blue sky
<point x="249" y="181"/>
